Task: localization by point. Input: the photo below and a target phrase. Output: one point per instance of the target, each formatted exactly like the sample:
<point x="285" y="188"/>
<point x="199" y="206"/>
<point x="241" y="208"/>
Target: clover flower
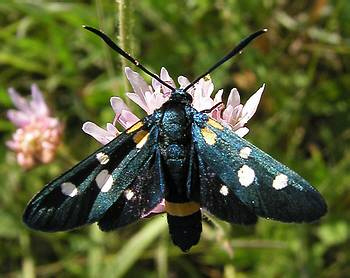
<point x="38" y="134"/>
<point x="233" y="114"/>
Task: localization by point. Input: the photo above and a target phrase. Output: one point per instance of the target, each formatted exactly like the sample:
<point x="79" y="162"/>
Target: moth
<point x="182" y="156"/>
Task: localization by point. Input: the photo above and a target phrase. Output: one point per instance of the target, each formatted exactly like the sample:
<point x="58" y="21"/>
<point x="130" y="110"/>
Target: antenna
<point x="232" y="53"/>
<point x="116" y="48"/>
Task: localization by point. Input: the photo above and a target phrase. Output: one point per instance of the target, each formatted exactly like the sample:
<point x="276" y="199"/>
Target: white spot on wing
<point x="69" y="189"/>
<point x="129" y="194"/>
<point x="102" y="158"/>
<point x="104" y="181"/>
<point x="245" y="152"/>
<point x="224" y="190"/>
<point x="280" y="181"/>
<point x="246" y="175"/>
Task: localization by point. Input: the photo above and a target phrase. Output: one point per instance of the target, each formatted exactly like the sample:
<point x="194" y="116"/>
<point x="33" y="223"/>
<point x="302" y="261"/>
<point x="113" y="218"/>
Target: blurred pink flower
<point x="38" y="135"/>
<point x="233" y="115"/>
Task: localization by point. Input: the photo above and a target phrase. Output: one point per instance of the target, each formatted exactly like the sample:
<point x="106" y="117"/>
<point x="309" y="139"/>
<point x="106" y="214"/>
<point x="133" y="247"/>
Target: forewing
<point x="267" y="187"/>
<point x="84" y="193"/>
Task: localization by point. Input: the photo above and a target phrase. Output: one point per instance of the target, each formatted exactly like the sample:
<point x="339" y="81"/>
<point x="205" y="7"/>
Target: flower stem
<point x="28" y="267"/>
<point x="125" y="32"/>
<point x="96" y="251"/>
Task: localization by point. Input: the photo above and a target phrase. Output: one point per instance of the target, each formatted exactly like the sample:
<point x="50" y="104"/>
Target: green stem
<point x="28" y="266"/>
<point x="108" y="56"/>
<point x="125" y="32"/>
<point x="96" y="251"/>
<point x="162" y="256"/>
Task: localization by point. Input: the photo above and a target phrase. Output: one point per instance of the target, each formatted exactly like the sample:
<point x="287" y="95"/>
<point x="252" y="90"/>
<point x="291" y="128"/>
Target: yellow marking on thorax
<point x="215" y="124"/>
<point x="134" y="127"/>
<point x="209" y="136"/>
<point x="142" y="140"/>
<point x="139" y="136"/>
<point x="181" y="209"/>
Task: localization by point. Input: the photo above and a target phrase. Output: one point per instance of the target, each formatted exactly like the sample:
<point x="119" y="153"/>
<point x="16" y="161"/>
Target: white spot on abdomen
<point x="128" y="194"/>
<point x="245" y="152"/>
<point x="224" y="190"/>
<point x="246" y="175"/>
<point x="280" y="181"/>
<point x="102" y="158"/>
<point x="104" y="181"/>
<point x="69" y="189"/>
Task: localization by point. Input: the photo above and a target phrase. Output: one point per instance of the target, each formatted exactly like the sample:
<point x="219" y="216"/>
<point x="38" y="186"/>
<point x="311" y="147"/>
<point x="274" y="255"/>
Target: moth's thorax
<point x="180" y="96"/>
<point x="174" y="126"/>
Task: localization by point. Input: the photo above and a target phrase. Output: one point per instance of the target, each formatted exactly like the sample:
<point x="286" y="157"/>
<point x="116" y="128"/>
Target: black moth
<point x="183" y="156"/>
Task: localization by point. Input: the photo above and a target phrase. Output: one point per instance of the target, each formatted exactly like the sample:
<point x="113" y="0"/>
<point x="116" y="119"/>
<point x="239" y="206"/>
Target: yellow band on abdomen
<point x="181" y="209"/>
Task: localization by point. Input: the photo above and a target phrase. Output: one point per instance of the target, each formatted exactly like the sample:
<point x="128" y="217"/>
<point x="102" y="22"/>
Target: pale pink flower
<point x="233" y="115"/>
<point x="147" y="97"/>
<point x="38" y="134"/>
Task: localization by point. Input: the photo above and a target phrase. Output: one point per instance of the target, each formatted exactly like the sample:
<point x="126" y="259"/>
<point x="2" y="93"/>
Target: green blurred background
<point x="303" y="121"/>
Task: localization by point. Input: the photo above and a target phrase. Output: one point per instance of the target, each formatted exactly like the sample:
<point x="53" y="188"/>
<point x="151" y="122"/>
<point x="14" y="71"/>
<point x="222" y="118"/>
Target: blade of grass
<point x="134" y="248"/>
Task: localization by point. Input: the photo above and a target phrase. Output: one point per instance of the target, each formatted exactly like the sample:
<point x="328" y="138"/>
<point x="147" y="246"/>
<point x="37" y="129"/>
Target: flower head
<point x="233" y="115"/>
<point x="37" y="136"/>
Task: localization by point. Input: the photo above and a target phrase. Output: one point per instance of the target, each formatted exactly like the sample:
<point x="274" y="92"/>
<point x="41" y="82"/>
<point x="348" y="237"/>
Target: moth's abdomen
<point x="185" y="223"/>
<point x="184" y="216"/>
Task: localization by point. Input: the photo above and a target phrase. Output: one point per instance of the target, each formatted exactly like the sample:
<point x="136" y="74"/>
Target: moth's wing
<point x="83" y="194"/>
<point x="267" y="187"/>
<point x="206" y="188"/>
<point x="145" y="193"/>
<point x="219" y="200"/>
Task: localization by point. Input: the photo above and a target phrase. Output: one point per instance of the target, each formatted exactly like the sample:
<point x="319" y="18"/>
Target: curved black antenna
<point x="233" y="52"/>
<point x="116" y="48"/>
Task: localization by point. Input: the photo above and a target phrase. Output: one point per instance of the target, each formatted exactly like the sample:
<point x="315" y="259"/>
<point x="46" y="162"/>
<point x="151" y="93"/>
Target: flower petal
<point x="98" y="133"/>
<point x="138" y="84"/>
<point x="111" y="129"/>
<point x="251" y="105"/>
<point x="241" y="132"/>
<point x="183" y="81"/>
<point x="160" y="208"/>
<point x="207" y="87"/>
<point x="127" y="119"/>
<point x="164" y="75"/>
<point x="139" y="101"/>
<point x="118" y="105"/>
<point x="218" y="96"/>
<point x="234" y="99"/>
<point x="227" y="114"/>
<point x="20" y="102"/>
<point x="19" y="118"/>
<point x="38" y="105"/>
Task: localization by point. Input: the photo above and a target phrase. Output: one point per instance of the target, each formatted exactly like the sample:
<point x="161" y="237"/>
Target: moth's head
<point x="179" y="95"/>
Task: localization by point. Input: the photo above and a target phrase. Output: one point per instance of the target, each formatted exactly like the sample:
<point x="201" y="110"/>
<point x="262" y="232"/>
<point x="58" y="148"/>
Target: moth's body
<point x="183" y="213"/>
<point x="180" y="155"/>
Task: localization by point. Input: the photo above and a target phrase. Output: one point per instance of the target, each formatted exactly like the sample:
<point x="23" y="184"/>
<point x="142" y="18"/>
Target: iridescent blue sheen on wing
<point x="145" y="192"/>
<point x="267" y="187"/>
<point x="84" y="193"/>
<point x="217" y="199"/>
